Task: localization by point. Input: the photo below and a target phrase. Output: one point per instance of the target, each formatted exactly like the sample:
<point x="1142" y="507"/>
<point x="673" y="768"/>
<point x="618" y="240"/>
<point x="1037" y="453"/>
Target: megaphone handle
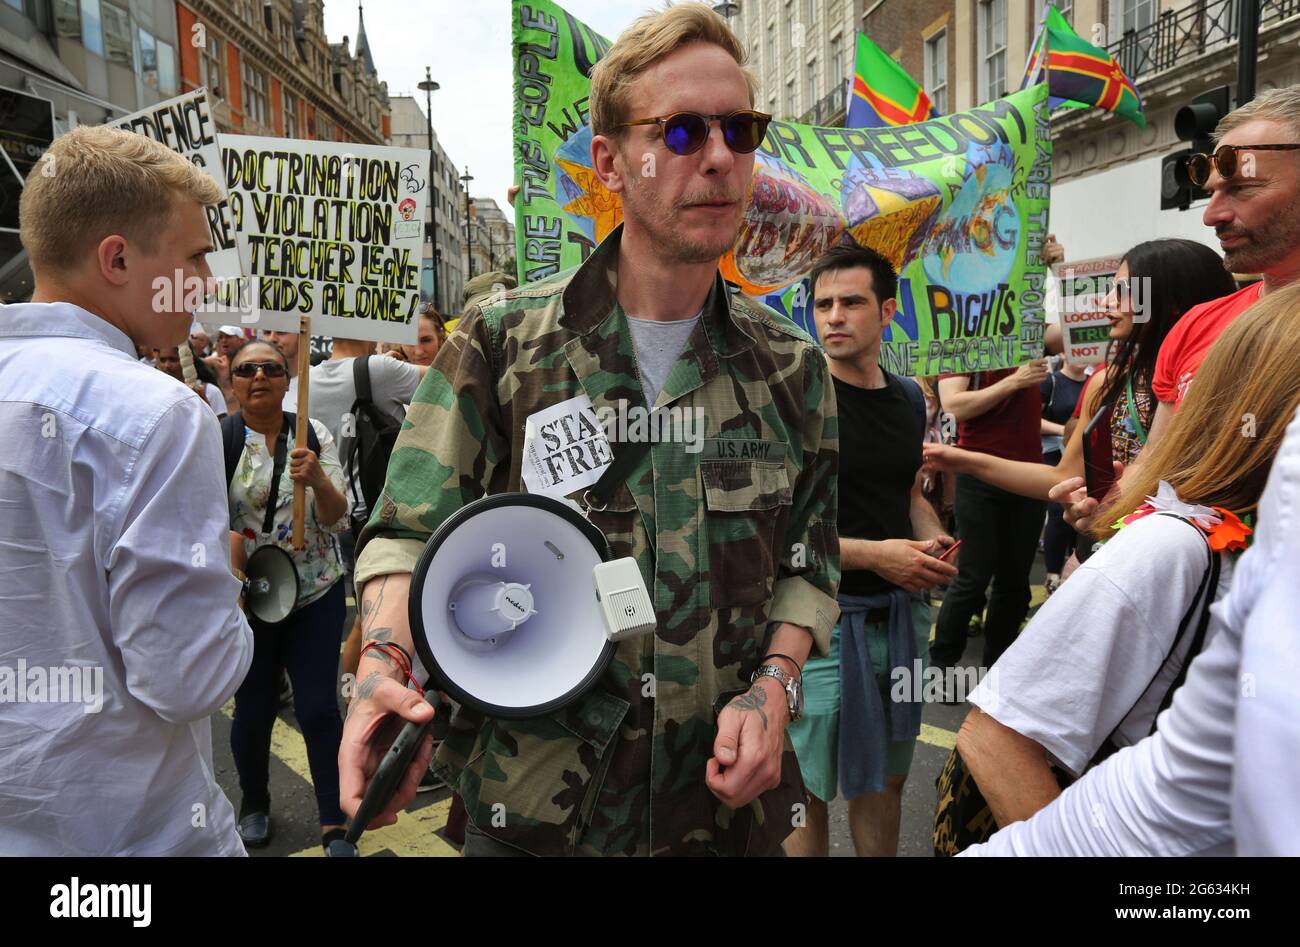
<point x="391" y="769"/>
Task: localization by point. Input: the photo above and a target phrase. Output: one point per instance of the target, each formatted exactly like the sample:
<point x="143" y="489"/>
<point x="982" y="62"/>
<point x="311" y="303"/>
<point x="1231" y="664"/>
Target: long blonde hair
<point x="1220" y="445"/>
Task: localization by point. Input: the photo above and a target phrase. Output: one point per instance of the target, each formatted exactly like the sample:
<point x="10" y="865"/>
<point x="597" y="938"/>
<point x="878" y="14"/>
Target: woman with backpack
<point x="1104" y="656"/>
<point x="306" y="643"/>
<point x="1156" y="283"/>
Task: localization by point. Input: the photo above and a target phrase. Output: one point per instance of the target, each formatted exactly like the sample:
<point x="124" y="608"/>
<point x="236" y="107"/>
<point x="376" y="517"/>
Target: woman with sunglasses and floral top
<point x="306" y="643"/>
<point x="1156" y="283"/>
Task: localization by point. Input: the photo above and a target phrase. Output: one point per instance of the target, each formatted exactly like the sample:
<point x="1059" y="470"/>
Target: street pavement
<point x="418" y="832"/>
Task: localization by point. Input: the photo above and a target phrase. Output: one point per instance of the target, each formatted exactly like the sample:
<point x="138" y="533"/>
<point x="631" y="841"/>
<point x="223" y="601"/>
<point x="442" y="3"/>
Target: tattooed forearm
<point x="753" y="699"/>
<point x="366" y="689"/>
<point x="370" y="606"/>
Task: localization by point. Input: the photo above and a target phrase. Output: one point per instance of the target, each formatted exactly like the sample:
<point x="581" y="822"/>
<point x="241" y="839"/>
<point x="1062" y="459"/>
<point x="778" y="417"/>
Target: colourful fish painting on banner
<point x="958" y="204"/>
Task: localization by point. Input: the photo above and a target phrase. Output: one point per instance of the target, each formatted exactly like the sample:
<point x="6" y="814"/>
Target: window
<point x="148" y="59"/>
<point x="1138" y="16"/>
<point x="839" y="69"/>
<point x="92" y="31"/>
<point x="936" y="70"/>
<point x="117" y="36"/>
<point x="16" y="4"/>
<point x="1064" y="7"/>
<point x="254" y="94"/>
<point x="67" y="19"/>
<point x="792" y="26"/>
<point x="167" y="79"/>
<point x="813" y="95"/>
<point x="290" y="115"/>
<point x="211" y="70"/>
<point x="791" y="104"/>
<point x="771" y="47"/>
<point x="992" y="49"/>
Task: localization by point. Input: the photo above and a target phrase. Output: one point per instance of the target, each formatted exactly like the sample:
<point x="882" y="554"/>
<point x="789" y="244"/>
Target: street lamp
<point x="727" y="10"/>
<point x="469" y="251"/>
<point x="428" y="86"/>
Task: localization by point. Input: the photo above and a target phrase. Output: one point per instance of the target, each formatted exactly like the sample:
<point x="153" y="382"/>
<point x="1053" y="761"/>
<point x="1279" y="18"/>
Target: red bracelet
<point x="397" y="653"/>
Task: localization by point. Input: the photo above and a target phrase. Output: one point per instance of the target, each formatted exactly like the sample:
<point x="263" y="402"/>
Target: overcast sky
<point x="467" y="45"/>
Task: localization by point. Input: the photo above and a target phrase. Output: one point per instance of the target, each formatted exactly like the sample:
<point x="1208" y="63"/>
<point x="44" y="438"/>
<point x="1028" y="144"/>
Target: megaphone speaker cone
<point x="272" y="585"/>
<point x="503" y="610"/>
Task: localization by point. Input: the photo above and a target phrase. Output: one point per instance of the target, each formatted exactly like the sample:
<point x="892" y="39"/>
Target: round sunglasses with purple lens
<point x="686" y="132"/>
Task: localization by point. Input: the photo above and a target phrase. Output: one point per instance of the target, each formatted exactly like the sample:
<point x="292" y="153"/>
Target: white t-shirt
<point x="1221" y="772"/>
<point x="215" y="398"/>
<point x="1086" y="661"/>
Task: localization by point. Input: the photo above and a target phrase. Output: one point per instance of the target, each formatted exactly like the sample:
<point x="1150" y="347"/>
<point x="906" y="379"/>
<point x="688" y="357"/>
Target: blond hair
<point x="97" y="181"/>
<point x="649" y="39"/>
<point x="1280" y="105"/>
<point x="1221" y="443"/>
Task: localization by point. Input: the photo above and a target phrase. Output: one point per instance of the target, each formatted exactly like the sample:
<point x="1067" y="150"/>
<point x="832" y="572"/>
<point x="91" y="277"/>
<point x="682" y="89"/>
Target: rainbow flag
<point x="883" y="93"/>
<point x="1079" y="74"/>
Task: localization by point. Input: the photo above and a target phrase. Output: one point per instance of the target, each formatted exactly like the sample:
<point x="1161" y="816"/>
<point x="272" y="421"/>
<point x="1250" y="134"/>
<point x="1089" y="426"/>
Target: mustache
<point x="721" y="197"/>
<point x="1231" y="232"/>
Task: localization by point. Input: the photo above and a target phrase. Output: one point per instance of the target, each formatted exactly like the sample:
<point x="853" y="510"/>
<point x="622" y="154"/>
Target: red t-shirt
<point x="1010" y="428"/>
<point x="1185" y="346"/>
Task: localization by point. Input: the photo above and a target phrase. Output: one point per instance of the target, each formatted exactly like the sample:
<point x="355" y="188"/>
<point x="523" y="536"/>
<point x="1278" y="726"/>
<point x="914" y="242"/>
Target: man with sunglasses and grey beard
<point x="1254" y="182"/>
<point x="681" y="746"/>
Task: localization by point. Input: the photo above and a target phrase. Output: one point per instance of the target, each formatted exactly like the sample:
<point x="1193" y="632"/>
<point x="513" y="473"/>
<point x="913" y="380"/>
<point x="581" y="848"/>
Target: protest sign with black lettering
<point x="184" y="124"/>
<point x="1085" y="323"/>
<point x="330" y="230"/>
<point x="565" y="449"/>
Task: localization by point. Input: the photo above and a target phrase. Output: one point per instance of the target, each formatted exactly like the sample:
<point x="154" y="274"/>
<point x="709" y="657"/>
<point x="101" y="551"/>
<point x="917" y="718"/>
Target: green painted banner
<point x="958" y="204"/>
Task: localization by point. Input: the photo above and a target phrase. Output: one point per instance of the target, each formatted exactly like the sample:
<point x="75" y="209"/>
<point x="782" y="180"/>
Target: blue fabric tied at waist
<point x="862" y="737"/>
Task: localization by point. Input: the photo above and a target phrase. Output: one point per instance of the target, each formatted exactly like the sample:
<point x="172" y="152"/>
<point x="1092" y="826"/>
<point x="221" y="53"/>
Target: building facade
<point x="1107" y="171"/>
<point x="270" y="70"/>
<point x="492" y="235"/>
<point x="267" y="64"/>
<point x="446" y="209"/>
<point x="802" y="53"/>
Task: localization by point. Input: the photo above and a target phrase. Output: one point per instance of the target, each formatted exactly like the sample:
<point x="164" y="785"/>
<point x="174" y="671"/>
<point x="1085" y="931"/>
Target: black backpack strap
<point x="277" y="471"/>
<point x="232" y="442"/>
<point x="287" y="430"/>
<point x="361" y="377"/>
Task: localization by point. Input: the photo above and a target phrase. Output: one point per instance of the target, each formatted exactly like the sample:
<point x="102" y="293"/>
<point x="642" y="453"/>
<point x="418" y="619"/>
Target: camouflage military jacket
<point x="731" y="539"/>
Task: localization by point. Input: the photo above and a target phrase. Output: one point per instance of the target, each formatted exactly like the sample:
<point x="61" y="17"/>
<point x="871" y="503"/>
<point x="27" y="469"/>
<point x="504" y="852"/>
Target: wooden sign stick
<point x="300" y="433"/>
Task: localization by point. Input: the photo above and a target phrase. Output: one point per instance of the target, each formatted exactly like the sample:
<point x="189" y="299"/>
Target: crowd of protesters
<point x="1119" y="689"/>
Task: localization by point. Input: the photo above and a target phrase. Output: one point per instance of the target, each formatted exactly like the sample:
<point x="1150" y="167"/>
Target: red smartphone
<point x="1098" y="469"/>
<point x="950" y="550"/>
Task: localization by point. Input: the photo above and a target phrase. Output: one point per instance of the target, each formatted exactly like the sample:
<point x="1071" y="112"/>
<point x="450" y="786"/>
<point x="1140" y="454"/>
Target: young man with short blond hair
<point x="114" y="550"/>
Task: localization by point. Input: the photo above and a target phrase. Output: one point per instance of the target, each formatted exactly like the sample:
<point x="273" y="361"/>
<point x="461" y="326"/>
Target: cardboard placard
<point x="1085" y="326"/>
<point x="330" y="230"/>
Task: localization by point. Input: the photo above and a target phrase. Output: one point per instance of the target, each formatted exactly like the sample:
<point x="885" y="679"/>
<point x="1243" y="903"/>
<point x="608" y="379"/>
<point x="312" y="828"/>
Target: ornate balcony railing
<point x="832" y="107"/>
<point x="1201" y="27"/>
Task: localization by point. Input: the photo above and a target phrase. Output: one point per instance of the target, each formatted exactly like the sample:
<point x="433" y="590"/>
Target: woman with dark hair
<point x="306" y="643"/>
<point x="1156" y="283"/>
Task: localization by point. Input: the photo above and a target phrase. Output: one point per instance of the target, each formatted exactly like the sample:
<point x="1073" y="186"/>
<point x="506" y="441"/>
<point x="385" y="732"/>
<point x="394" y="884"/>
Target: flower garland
<point x="1223" y="529"/>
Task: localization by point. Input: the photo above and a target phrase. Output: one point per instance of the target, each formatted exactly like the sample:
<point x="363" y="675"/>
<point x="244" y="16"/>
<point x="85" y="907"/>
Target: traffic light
<point x="1195" y="124"/>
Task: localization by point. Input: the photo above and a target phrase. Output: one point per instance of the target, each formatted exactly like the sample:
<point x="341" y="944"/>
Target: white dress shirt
<point x="114" y="565"/>
<point x="1222" y="772"/>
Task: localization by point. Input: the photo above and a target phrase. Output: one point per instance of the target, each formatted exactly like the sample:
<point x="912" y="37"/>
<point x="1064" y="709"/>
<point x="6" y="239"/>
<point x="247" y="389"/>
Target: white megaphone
<point x="516" y="608"/>
<point x="271" y="586"/>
